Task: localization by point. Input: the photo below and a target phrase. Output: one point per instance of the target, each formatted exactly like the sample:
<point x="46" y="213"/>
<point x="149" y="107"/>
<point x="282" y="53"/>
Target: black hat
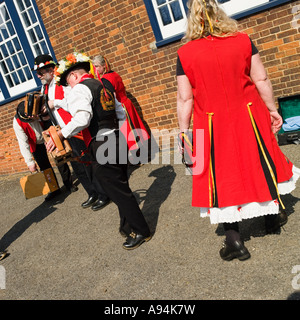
<point x="43" y="61"/>
<point x="21" y="112"/>
<point x="78" y="65"/>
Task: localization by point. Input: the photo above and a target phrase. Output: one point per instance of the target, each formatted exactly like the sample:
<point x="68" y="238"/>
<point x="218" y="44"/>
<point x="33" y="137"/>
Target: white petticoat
<point x="250" y="210"/>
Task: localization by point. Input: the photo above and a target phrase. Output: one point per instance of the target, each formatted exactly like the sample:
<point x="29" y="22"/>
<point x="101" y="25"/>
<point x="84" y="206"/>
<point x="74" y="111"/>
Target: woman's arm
<point x="263" y="84"/>
<point x="185" y="102"/>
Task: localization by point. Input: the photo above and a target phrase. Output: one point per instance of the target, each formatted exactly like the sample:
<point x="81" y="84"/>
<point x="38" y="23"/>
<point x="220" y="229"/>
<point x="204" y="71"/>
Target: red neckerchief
<point x="46" y="88"/>
<point x="86" y="76"/>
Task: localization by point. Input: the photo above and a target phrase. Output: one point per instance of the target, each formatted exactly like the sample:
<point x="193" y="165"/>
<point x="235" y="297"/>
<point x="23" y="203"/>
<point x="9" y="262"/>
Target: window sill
<point x="166" y="41"/>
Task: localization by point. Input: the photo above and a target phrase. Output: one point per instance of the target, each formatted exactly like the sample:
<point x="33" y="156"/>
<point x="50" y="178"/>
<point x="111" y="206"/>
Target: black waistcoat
<point x="104" y="116"/>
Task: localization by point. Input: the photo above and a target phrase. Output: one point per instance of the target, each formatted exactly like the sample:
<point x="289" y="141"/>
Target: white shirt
<point x="79" y="105"/>
<point x="23" y="139"/>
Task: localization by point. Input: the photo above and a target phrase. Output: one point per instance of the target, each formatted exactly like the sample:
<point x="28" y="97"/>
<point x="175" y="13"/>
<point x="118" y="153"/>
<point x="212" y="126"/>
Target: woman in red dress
<point x="222" y="81"/>
<point x="133" y="122"/>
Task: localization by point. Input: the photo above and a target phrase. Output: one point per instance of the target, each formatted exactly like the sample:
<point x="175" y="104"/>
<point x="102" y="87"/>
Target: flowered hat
<point x="43" y="61"/>
<point x="69" y="63"/>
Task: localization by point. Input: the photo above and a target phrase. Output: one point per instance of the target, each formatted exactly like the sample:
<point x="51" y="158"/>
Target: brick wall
<point x="125" y="36"/>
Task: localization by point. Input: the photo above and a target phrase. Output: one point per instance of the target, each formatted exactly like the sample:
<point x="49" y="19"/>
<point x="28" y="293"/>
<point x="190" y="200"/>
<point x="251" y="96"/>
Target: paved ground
<point x="60" y="251"/>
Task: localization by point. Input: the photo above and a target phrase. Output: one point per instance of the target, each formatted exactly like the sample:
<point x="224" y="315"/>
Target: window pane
<point x="28" y="73"/>
<point x="15" y="78"/>
<point x="32" y="16"/>
<point x="32" y="36"/>
<point x="20" y="5"/>
<point x="26" y="19"/>
<point x="176" y="11"/>
<point x="159" y="2"/>
<point x="4" y="13"/>
<point x="4" y="32"/>
<point x="39" y="32"/>
<point x="4" y="68"/>
<point x="165" y="15"/>
<point x="4" y="51"/>
<point x="11" y="28"/>
<point x="44" y="47"/>
<point x="16" y="61"/>
<point x="22" y="59"/>
<point x="17" y="44"/>
<point x="9" y="81"/>
<point x="27" y="3"/>
<point x="9" y="64"/>
<point x="10" y="47"/>
<point x="21" y="76"/>
<point x="38" y="50"/>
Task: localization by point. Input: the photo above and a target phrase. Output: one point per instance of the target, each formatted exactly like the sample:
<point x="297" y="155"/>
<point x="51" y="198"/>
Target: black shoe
<point x="134" y="240"/>
<point x="273" y="223"/>
<point x="234" y="250"/>
<point x="52" y="195"/>
<point x="3" y="254"/>
<point x="71" y="188"/>
<point x="125" y="230"/>
<point x="100" y="204"/>
<point x="90" y="201"/>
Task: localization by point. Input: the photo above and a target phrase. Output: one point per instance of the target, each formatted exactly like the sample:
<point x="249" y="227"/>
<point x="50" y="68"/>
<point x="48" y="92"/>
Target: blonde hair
<point x="206" y="17"/>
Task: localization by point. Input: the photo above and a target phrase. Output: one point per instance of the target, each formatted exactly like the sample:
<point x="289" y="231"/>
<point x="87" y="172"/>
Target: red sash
<point x="30" y="134"/>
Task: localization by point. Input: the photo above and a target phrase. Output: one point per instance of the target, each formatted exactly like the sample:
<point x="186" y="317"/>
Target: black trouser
<point x="114" y="180"/>
<point x="83" y="170"/>
<point x="41" y="157"/>
<point x="63" y="169"/>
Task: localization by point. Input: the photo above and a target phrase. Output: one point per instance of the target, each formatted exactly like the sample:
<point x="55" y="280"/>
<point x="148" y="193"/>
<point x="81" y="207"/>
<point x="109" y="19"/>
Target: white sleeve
<point x="79" y="105"/>
<point x="23" y="143"/>
<point x="120" y="112"/>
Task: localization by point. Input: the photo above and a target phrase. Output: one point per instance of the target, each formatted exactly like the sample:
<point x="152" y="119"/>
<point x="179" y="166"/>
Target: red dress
<point x="235" y="171"/>
<point x="133" y="119"/>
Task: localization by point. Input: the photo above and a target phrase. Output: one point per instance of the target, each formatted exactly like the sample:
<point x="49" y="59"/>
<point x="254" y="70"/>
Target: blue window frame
<point x="22" y="38"/>
<point x="168" y="17"/>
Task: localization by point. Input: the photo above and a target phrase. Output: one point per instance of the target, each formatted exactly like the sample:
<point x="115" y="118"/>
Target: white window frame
<point x="22" y="86"/>
<point x="32" y="28"/>
<point x="27" y="49"/>
<point x="233" y="7"/>
<point x="175" y="27"/>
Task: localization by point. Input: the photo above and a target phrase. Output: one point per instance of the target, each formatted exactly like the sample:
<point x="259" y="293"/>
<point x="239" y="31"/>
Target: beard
<point x="47" y="78"/>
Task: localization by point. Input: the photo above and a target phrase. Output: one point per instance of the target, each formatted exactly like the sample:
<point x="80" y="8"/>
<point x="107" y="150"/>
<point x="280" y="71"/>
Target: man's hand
<point x="32" y="168"/>
<point x="33" y="117"/>
<point x="51" y="104"/>
<point x="50" y="146"/>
